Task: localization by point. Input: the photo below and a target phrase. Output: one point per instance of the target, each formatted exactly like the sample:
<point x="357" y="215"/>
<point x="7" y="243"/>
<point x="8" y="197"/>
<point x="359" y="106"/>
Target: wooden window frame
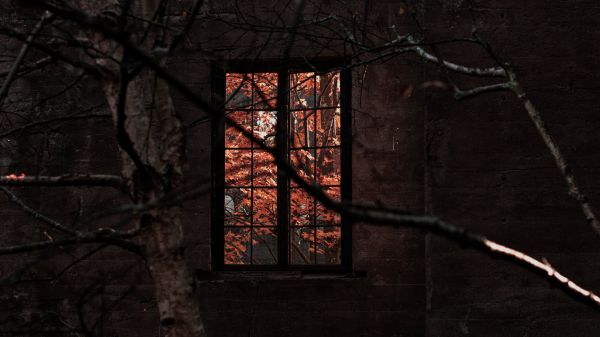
<point x="218" y="74"/>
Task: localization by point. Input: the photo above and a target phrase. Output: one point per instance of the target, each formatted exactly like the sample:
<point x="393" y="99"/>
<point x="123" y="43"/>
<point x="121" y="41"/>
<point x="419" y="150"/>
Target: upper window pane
<point x="238" y="90"/>
<point x="265" y="90"/>
<point x="328" y="89"/>
<point x="302" y="90"/>
<point x="251" y="90"/>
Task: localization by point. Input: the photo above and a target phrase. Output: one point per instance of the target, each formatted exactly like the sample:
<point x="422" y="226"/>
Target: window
<point x="262" y="219"/>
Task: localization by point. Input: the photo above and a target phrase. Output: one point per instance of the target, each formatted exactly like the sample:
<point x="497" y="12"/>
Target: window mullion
<point x="282" y="144"/>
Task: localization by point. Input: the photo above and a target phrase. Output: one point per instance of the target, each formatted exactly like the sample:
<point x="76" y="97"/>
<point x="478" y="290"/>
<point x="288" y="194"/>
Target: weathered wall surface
<point x="488" y="170"/>
<point x="477" y="163"/>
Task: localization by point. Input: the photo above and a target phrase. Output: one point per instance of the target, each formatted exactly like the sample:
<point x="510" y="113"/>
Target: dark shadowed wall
<point x="477" y="163"/>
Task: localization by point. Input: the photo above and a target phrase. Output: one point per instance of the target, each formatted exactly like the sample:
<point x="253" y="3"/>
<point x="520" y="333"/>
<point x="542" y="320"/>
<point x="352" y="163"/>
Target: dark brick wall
<point x="488" y="170"/>
<point x="477" y="163"/>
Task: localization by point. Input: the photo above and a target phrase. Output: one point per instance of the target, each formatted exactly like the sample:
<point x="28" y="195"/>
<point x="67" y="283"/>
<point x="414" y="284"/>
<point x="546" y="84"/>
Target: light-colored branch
<point x="478" y="242"/>
<point x="64" y="180"/>
<point x="15" y="66"/>
<point x="493" y="71"/>
<point x="462" y="94"/>
<point x="559" y="158"/>
<point x="35" y="214"/>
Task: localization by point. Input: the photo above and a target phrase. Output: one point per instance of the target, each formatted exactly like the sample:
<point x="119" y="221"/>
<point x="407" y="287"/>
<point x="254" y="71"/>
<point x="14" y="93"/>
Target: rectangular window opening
<point x="268" y="221"/>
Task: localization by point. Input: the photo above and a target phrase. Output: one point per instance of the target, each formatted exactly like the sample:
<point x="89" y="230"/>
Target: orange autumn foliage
<point x="251" y="174"/>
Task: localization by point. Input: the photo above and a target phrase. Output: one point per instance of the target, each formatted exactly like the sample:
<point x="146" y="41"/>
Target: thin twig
<point x="15" y="66"/>
<point x="35" y="214"/>
<point x="462" y="94"/>
<point x="559" y="159"/>
<point x="65" y="180"/>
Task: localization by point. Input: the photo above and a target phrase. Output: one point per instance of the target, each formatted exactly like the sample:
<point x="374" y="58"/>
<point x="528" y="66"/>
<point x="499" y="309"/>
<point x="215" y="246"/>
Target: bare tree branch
<point x="83" y="238"/>
<point x="50" y="121"/>
<point x="15" y="66"/>
<point x="35" y="214"/>
<point x="559" y="159"/>
<point x="462" y="94"/>
<point x="434" y="225"/>
<point x="64" y="180"/>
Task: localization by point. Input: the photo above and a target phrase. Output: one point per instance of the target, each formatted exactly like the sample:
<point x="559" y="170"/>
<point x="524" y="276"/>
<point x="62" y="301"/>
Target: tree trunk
<point x="153" y="155"/>
<point x="157" y="135"/>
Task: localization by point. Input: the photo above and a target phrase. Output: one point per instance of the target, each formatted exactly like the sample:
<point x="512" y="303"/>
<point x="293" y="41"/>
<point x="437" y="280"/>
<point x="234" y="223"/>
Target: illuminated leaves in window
<point x="238" y="90"/>
<point x="302" y="208"/>
<point x="265" y="169"/>
<point x="328" y="245"/>
<point x="303" y="161"/>
<point x="234" y="138"/>
<point x="328" y="127"/>
<point x="329" y="166"/>
<point x="237" y="246"/>
<point x="265" y="90"/>
<point x="237" y="167"/>
<point x="264" y="246"/>
<point x="302" y="128"/>
<point x="302" y="90"/>
<point x="326" y="216"/>
<point x="237" y="207"/>
<point x="328" y="89"/>
<point x="250" y="196"/>
<point x="265" y="207"/>
<point x="302" y="245"/>
<point x="265" y="123"/>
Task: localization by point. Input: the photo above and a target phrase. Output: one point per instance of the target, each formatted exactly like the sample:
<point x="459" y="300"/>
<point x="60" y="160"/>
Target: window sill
<point x="223" y="276"/>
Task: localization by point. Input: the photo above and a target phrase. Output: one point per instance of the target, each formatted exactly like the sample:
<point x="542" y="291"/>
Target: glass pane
<point x="333" y="192"/>
<point x="265" y="170"/>
<point x="303" y="161"/>
<point x="327" y="217"/>
<point x="238" y="91"/>
<point x="265" y="123"/>
<point x="265" y="207"/>
<point x="302" y="90"/>
<point x="328" y="127"/>
<point x="329" y="245"/>
<point x="237" y="246"/>
<point x="329" y="166"/>
<point x="302" y="208"/>
<point x="237" y="207"/>
<point x="264" y="246"/>
<point x="234" y="138"/>
<point x="328" y="89"/>
<point x="302" y="245"/>
<point x="237" y="167"/>
<point x="302" y="126"/>
<point x="265" y="90"/>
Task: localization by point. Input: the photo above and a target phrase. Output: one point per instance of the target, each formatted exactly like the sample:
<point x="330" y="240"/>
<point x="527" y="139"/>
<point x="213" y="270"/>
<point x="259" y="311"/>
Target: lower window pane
<point x="328" y="166"/>
<point x="238" y="166"/>
<point x="264" y="246"/>
<point x="237" y="246"/>
<point x="329" y="245"/>
<point x="302" y="245"/>
<point x="302" y="208"/>
<point x="265" y="169"/>
<point x="237" y="207"/>
<point x="265" y="207"/>
<point x="303" y="161"/>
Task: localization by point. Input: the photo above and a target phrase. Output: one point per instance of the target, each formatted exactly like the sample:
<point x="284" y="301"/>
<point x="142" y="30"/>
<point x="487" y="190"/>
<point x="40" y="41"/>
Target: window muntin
<point x="254" y="232"/>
